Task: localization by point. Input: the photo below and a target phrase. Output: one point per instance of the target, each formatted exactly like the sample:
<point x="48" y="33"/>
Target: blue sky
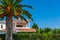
<point x="46" y="13"/>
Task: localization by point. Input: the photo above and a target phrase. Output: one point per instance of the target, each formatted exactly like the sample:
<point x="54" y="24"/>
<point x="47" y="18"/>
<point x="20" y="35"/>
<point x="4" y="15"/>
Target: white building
<point x="18" y="26"/>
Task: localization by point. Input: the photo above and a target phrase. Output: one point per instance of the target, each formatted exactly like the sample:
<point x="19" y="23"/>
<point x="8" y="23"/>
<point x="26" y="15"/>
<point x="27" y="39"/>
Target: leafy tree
<point x="58" y="31"/>
<point x="47" y="30"/>
<point x="35" y="26"/>
<point x="12" y="8"/>
<point x="54" y="31"/>
<point x="41" y="31"/>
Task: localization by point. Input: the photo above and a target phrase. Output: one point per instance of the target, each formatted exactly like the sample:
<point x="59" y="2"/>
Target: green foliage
<point x="47" y="30"/>
<point x="35" y="26"/>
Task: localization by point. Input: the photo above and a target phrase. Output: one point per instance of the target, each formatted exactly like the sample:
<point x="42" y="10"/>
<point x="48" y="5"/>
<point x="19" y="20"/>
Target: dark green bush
<point x="2" y="36"/>
<point x="33" y="36"/>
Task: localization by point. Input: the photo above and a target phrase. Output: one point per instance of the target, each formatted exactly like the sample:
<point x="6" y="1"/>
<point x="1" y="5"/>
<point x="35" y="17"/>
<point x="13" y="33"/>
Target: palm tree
<point x="35" y="26"/>
<point x="12" y="8"/>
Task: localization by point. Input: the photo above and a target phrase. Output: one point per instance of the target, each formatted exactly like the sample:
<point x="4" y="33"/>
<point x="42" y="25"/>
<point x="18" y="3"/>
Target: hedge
<point x="33" y="36"/>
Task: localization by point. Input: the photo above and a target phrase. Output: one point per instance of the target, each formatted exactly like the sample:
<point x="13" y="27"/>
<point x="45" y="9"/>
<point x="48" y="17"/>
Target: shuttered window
<point x="1" y="26"/>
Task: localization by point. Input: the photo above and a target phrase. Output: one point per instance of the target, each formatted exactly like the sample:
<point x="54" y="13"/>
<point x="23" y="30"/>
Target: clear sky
<point x="46" y="13"/>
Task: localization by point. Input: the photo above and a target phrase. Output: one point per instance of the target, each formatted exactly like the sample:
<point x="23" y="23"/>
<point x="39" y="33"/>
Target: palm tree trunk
<point x="9" y="28"/>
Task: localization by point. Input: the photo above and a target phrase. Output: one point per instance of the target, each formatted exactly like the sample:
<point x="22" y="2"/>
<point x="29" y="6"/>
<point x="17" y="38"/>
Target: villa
<point x="18" y="26"/>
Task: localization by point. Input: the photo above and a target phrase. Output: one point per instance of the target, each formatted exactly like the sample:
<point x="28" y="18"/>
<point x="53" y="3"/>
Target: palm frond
<point x="23" y="18"/>
<point x="27" y="6"/>
<point x="16" y="2"/>
<point x="4" y="2"/>
<point x="11" y="2"/>
<point x="17" y="11"/>
<point x="16" y="17"/>
<point x="1" y="11"/>
<point x="27" y="14"/>
<point x="1" y="7"/>
<point x="20" y="6"/>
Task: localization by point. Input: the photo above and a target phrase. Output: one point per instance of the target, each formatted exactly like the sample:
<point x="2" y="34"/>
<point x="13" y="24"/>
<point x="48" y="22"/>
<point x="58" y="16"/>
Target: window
<point x="19" y="25"/>
<point x="1" y="26"/>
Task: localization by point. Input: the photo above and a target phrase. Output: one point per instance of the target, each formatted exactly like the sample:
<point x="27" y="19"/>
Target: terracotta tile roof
<point x="22" y="30"/>
<point x="26" y="30"/>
